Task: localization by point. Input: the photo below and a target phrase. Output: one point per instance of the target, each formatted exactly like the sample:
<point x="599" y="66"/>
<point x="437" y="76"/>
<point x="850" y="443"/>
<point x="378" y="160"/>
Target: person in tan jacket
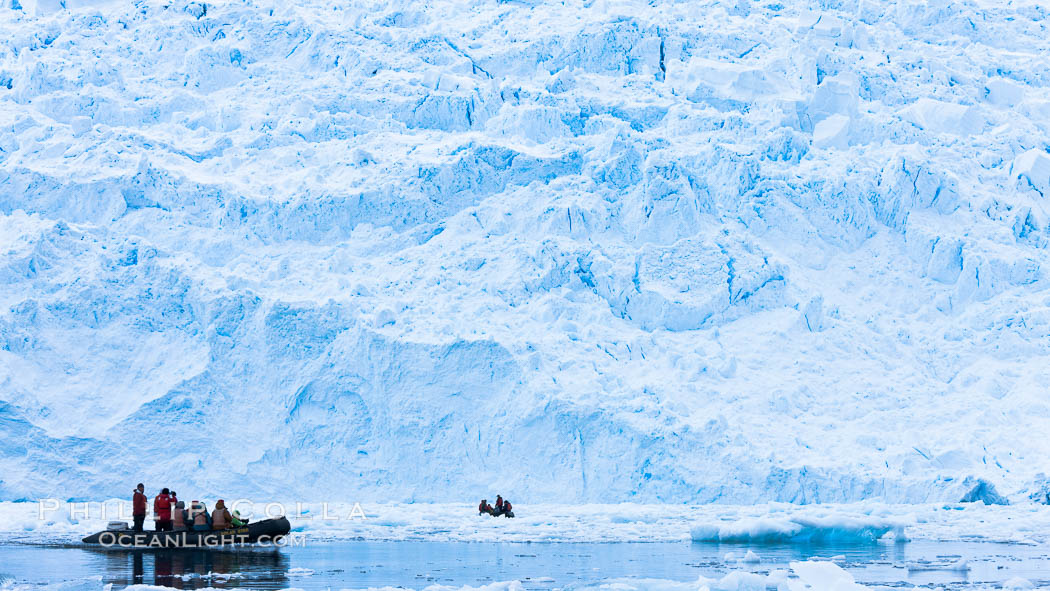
<point x="178" y="516"/>
<point x="220" y="517"/>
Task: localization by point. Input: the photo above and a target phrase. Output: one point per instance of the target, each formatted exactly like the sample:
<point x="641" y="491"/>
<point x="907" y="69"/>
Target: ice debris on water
<point x="822" y="576"/>
<point x="1018" y="584"/>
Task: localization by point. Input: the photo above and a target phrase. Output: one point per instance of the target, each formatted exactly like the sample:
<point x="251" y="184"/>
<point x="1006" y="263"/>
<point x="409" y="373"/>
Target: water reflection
<point x="539" y="566"/>
<point x="195" y="568"/>
<point x="848" y="552"/>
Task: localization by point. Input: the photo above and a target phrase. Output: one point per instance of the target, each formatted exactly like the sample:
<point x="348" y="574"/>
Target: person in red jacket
<point x="162" y="510"/>
<point x="484" y="507"/>
<point x="507" y="509"/>
<point x="138" y="506"/>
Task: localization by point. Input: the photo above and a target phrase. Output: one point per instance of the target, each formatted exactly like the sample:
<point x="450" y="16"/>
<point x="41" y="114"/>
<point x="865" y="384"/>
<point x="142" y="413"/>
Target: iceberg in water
<point x="795" y="529"/>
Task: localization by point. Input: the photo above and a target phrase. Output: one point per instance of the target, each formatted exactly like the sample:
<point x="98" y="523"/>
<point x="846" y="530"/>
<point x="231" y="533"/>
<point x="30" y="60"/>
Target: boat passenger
<point x="138" y="506"/>
<point x="220" y="517"/>
<point x="179" y="517"/>
<point x="484" y="507"/>
<point x="507" y="512"/>
<point x="237" y="520"/>
<point x="162" y="510"/>
<point x="499" y="506"/>
<point x="201" y="518"/>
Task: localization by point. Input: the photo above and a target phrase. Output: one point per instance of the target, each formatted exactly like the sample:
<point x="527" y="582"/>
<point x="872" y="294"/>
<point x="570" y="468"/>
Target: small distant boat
<point x="266" y="531"/>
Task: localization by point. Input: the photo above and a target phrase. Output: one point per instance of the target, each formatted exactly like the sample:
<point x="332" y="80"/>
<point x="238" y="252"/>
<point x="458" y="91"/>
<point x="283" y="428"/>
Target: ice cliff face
<point x="602" y="251"/>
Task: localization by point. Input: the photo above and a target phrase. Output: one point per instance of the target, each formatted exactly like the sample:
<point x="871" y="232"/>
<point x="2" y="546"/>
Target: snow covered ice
<point x="594" y="251"/>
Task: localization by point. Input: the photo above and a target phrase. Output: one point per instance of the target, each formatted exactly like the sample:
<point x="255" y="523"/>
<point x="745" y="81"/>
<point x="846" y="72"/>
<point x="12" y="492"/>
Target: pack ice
<point x="608" y="250"/>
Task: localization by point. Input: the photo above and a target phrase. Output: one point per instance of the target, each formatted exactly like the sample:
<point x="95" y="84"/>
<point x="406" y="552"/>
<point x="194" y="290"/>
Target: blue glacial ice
<point x="605" y="250"/>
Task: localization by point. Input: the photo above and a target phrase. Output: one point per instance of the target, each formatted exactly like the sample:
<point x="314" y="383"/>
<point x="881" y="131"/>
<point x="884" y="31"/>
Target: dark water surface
<point x="357" y="565"/>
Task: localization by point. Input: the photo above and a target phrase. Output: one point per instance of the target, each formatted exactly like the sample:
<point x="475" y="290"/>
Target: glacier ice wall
<point x="604" y="250"/>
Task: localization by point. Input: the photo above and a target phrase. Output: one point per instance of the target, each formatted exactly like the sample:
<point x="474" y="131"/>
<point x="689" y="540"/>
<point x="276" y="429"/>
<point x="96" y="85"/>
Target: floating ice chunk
<point x="1033" y="166"/>
<point x="749" y="558"/>
<point x="740" y="581"/>
<point x="832" y="132"/>
<point x="959" y="566"/>
<point x="1018" y="583"/>
<point x="822" y="576"/>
